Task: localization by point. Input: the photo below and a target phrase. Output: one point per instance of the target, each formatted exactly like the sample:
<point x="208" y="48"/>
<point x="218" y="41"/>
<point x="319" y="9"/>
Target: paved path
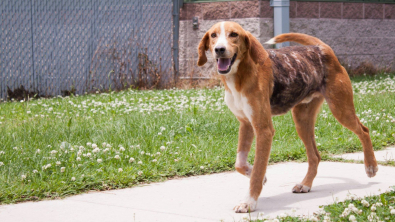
<point x="207" y="198"/>
<point x="382" y="155"/>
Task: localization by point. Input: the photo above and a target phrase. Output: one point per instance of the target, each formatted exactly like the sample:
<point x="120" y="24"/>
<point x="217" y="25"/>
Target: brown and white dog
<point x="262" y="83"/>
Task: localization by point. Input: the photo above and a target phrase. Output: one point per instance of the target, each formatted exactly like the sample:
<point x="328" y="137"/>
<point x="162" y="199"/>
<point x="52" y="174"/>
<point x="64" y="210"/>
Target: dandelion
<point x="58" y="163"/>
<point x="154" y="160"/>
<point x="158" y="153"/>
<point x="23" y="176"/>
<point x="140" y="162"/>
<point x="89" y="144"/>
<point x="108" y="145"/>
<point x="120" y="170"/>
<point x="35" y="171"/>
<point x="94" y="145"/>
<point x="104" y="144"/>
<point x="54" y="152"/>
<point x="392" y="211"/>
<point x="62" y="169"/>
<point x="139" y="173"/>
<point x="202" y="167"/>
<point x="117" y="157"/>
<point x="162" y="128"/>
<point x="106" y="150"/>
<point x="175" y="160"/>
<point x="88" y="154"/>
<point x="73" y="179"/>
<point x="38" y="151"/>
<point x="99" y="160"/>
<point x="96" y="150"/>
<point x="78" y="158"/>
<point x="131" y="160"/>
<point x="159" y="133"/>
<point x="162" y="148"/>
<point x="1" y="164"/>
<point x="121" y="148"/>
<point x="142" y="152"/>
<point x="99" y="170"/>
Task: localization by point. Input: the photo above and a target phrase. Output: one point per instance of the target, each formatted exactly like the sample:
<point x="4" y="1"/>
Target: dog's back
<point x="298" y="71"/>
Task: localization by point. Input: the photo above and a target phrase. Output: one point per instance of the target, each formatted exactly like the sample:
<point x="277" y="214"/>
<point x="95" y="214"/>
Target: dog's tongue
<point x="223" y="64"/>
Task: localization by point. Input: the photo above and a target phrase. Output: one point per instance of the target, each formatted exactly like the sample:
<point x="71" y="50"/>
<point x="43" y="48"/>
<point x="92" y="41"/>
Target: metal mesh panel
<point x="57" y="47"/>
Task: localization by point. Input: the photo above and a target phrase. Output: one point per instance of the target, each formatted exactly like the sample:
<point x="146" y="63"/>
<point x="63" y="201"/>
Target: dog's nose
<point x="219" y="50"/>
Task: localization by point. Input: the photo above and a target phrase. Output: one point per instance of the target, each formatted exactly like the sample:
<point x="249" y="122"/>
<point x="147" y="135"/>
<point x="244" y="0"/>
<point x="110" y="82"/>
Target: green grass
<point x="372" y="208"/>
<point x="197" y="131"/>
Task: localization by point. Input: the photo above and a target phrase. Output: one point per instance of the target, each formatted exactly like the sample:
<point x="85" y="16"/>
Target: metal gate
<point x="60" y="47"/>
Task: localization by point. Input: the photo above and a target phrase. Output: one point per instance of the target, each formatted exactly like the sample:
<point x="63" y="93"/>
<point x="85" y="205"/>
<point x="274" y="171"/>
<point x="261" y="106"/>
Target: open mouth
<point x="225" y="64"/>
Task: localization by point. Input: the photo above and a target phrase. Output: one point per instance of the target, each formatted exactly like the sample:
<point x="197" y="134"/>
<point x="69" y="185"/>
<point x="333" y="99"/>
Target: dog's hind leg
<point x="339" y="96"/>
<point x="304" y="116"/>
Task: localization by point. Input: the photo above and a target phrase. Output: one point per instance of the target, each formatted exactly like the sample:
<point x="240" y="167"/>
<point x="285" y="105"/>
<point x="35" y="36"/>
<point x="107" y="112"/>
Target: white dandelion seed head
<point x="162" y="148"/>
<point x="99" y="160"/>
<point x="142" y="152"/>
<point x="96" y="150"/>
<point x="62" y="169"/>
<point x="202" y="167"/>
<point x="78" y="158"/>
<point x="131" y="160"/>
<point x="104" y="144"/>
<point x="121" y="148"/>
<point x="73" y="179"/>
<point x="120" y="170"/>
<point x="94" y="145"/>
<point x="117" y="157"/>
<point x="154" y="160"/>
<point x="23" y="176"/>
<point x="38" y="151"/>
<point x="139" y="173"/>
<point x="89" y="144"/>
<point x="88" y="154"/>
<point x="35" y="171"/>
<point x="140" y="162"/>
<point x="58" y="163"/>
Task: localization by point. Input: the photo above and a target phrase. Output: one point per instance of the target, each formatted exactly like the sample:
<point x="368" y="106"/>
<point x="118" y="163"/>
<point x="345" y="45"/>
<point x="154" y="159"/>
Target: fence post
<point x="177" y="4"/>
<point x="281" y="19"/>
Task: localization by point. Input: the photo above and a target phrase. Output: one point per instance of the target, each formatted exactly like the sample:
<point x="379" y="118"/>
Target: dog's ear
<point x="255" y="49"/>
<point x="202" y="48"/>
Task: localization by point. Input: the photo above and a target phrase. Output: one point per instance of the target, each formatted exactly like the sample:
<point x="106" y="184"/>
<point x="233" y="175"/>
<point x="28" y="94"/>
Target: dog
<point x="263" y="83"/>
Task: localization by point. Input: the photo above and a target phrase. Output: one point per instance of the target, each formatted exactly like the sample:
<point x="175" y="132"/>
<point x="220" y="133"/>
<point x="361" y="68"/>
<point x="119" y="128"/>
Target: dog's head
<point x="229" y="44"/>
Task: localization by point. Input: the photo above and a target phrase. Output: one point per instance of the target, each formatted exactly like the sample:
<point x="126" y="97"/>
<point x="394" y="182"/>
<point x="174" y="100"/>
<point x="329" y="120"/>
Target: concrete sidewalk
<point x="209" y="197"/>
<point x="382" y="155"/>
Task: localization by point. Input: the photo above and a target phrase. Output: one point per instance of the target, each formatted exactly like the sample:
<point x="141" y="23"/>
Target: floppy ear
<point x="202" y="48"/>
<point x="255" y="49"/>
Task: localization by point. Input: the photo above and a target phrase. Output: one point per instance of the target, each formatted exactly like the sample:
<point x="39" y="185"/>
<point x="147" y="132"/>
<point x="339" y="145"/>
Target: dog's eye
<point x="233" y="34"/>
<point x="213" y="35"/>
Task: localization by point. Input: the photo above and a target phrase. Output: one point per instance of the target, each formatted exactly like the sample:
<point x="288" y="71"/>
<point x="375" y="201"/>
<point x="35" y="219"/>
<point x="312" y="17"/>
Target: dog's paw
<point x="264" y="180"/>
<point x="248" y="206"/>
<point x="371" y="170"/>
<point x="299" y="188"/>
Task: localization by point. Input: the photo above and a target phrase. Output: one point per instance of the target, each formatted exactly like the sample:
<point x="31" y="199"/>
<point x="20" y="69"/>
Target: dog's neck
<point x="245" y="69"/>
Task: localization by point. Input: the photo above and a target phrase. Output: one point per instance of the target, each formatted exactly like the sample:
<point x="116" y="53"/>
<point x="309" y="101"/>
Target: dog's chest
<point x="236" y="101"/>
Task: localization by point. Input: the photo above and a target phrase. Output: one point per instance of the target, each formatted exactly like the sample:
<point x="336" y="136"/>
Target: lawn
<point x="371" y="208"/>
<point x="51" y="148"/>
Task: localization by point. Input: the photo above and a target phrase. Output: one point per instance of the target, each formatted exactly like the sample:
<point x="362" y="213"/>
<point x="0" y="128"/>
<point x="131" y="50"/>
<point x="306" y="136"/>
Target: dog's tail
<point x="299" y="38"/>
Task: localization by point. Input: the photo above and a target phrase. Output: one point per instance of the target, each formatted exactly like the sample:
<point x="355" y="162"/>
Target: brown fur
<point x="297" y="78"/>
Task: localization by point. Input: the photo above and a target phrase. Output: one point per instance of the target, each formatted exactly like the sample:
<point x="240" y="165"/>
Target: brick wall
<point x="357" y="32"/>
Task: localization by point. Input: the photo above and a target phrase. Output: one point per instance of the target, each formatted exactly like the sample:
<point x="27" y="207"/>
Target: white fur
<point x="241" y="161"/>
<point x="237" y="102"/>
<point x="271" y="41"/>
<point x="222" y="41"/>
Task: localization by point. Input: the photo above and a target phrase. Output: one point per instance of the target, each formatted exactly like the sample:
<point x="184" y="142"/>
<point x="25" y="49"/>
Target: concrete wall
<point x="357" y="32"/>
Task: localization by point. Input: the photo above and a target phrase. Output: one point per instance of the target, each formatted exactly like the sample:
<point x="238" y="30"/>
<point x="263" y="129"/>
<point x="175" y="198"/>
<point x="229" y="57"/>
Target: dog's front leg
<point x="264" y="132"/>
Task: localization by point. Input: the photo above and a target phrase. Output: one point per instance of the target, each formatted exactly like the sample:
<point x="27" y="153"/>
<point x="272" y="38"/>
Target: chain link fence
<point x="58" y="47"/>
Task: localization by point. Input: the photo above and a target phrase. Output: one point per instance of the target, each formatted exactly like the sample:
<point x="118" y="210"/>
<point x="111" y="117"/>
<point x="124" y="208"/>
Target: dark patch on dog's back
<point x="298" y="72"/>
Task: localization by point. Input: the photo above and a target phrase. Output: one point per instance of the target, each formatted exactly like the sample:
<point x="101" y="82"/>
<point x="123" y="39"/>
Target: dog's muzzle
<point x="224" y="65"/>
